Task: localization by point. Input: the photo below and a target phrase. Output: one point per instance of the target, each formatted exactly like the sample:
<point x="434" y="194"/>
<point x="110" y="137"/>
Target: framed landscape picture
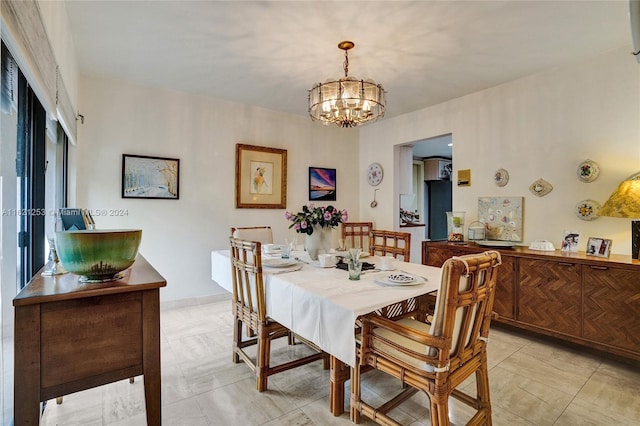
<point x="261" y="177"/>
<point x="150" y="177"/>
<point x="322" y="184"/>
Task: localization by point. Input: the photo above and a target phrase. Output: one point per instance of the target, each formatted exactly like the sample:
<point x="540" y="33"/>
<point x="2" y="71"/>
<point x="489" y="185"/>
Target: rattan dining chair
<point x="356" y="234"/>
<point x="397" y="244"/>
<point x="249" y="308"/>
<point x="262" y="234"/>
<point x="435" y="358"/>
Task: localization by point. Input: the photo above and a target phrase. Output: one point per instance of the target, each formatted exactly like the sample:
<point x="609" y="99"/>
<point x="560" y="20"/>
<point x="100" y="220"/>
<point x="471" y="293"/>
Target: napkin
<point x="365" y="265"/>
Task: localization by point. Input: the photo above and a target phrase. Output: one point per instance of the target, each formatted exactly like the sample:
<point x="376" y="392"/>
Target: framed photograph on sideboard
<point x="599" y="247"/>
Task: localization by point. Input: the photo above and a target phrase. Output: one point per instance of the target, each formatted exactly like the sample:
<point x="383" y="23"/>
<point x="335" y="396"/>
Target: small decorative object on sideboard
<point x="100" y="255"/>
<point x="476" y="231"/>
<point x="570" y="241"/>
<point x="541" y="245"/>
<point x="455" y="226"/>
<point x="599" y="247"/>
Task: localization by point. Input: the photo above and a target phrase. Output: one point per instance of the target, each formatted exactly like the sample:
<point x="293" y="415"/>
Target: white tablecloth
<point x="322" y="304"/>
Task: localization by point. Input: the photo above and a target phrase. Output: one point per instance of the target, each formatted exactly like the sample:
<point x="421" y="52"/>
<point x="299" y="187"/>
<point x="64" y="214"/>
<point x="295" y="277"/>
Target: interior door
<point x="439" y="202"/>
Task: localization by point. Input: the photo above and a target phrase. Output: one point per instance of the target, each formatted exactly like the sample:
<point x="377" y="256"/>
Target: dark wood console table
<point x="71" y="336"/>
<point x="590" y="301"/>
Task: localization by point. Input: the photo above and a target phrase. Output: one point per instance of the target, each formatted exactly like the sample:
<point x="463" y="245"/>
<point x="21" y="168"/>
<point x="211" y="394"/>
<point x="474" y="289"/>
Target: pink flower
<point x="345" y="215"/>
<point x="303" y="224"/>
<point x="288" y="215"/>
<point x="296" y="226"/>
<point x="327" y="216"/>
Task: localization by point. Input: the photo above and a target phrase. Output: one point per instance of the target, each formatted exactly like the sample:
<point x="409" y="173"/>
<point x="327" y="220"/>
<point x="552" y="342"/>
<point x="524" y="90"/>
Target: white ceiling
<point x="269" y="53"/>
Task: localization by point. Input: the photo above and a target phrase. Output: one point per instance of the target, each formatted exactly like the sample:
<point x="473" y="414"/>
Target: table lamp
<point x="625" y="202"/>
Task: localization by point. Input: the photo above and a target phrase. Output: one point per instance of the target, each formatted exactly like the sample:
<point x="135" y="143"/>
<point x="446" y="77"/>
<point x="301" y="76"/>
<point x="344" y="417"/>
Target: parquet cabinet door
<point x="504" y="300"/>
<point x="612" y="306"/>
<point x="549" y="295"/>
<point x="436" y="255"/>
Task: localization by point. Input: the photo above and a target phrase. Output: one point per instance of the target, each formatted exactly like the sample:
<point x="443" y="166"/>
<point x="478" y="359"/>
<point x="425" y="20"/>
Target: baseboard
<point x="194" y="301"/>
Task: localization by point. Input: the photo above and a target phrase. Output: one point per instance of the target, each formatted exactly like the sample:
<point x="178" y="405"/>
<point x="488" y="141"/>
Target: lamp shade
<point x="625" y="200"/>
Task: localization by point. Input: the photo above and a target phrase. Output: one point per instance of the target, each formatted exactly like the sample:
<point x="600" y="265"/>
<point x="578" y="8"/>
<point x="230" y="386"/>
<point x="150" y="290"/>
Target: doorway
<point x="435" y="185"/>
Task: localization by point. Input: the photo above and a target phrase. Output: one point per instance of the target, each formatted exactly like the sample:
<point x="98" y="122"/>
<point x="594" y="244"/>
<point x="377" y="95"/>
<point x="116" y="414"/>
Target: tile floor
<point x="533" y="382"/>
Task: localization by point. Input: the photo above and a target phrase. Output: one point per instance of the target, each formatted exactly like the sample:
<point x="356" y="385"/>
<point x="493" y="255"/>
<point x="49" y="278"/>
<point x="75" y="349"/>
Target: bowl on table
<point x="98" y="255"/>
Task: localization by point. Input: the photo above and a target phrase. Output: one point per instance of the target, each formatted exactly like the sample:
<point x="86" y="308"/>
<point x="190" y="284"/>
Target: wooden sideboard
<point x="71" y="336"/>
<point x="590" y="301"/>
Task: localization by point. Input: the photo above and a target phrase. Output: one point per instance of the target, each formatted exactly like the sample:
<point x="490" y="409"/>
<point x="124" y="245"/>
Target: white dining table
<point x="322" y="304"/>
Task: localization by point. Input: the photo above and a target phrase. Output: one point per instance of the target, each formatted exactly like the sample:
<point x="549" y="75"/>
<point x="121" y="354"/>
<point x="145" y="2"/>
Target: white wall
<point x="56" y="23"/>
<point x="178" y="236"/>
<point x="541" y="126"/>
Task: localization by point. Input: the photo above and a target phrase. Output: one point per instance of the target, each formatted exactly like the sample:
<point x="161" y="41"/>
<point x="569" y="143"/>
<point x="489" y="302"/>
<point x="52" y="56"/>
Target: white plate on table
<point x="399" y="279"/>
<point x="317" y="264"/>
<point x="278" y="263"/>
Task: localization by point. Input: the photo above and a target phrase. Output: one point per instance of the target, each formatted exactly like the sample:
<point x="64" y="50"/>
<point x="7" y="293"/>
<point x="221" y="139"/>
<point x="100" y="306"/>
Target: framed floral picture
<point x="261" y="177"/>
<point x="322" y="184"/>
<point x="150" y="177"/>
<point x="598" y="247"/>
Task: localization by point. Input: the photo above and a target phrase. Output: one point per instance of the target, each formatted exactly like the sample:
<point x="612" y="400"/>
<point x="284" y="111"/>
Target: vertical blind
<point x="24" y="33"/>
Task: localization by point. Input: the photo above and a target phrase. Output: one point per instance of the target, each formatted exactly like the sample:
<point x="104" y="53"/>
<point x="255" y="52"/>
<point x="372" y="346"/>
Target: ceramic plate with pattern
<point x="588" y="209"/>
<point x="501" y="177"/>
<point x="540" y="188"/>
<point x="401" y="278"/>
<point x="588" y="171"/>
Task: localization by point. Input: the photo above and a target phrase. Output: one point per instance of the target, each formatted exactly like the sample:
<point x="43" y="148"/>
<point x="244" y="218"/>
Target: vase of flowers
<point x="316" y="223"/>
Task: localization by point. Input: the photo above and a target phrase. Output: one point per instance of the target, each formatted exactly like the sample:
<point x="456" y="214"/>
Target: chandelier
<point x="347" y="102"/>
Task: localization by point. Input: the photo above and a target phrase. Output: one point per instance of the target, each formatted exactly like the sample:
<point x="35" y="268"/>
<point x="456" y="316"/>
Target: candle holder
<point x="56" y="268"/>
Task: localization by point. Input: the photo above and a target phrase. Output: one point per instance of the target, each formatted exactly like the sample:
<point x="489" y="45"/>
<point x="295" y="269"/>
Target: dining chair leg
<point x="237" y="337"/>
<point x="482" y="389"/>
<point x="439" y="410"/>
<point x="355" y="395"/>
<point x="262" y="360"/>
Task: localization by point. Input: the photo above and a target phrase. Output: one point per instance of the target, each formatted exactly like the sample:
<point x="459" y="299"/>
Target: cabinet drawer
<point x="549" y="295"/>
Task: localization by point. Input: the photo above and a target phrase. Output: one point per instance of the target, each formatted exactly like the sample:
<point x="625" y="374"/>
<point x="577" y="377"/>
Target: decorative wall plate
<point x="588" y="209"/>
<point x="540" y="188"/>
<point x="374" y="174"/>
<point x="588" y="171"/>
<point x="501" y="177"/>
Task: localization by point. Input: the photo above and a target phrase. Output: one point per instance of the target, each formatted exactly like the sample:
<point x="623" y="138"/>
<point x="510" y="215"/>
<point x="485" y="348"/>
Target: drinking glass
<point x="285" y="251"/>
<point x="355" y="268"/>
<point x="354" y="254"/>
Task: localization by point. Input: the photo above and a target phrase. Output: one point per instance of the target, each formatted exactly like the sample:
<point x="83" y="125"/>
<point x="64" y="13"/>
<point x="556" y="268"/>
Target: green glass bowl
<point x="98" y="255"/>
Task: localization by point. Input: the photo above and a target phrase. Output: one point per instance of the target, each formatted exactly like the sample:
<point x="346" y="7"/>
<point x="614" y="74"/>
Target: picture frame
<point x="150" y="177"/>
<point x="261" y="177"/>
<point x="598" y="247"/>
<point x="570" y="241"/>
<point x="322" y="184"/>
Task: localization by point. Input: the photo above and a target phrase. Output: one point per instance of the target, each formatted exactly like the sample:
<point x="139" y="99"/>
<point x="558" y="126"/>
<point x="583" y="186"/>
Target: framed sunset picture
<point x="322" y="184"/>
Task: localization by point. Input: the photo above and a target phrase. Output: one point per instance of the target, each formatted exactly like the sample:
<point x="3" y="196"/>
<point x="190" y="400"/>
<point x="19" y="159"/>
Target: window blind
<point x="24" y="34"/>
